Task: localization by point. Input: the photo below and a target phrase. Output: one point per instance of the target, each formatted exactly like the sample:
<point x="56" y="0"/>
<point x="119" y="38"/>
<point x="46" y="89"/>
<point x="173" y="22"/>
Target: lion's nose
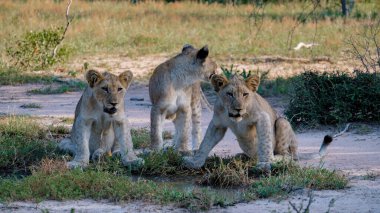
<point x="113" y="103"/>
<point x="238" y="110"/>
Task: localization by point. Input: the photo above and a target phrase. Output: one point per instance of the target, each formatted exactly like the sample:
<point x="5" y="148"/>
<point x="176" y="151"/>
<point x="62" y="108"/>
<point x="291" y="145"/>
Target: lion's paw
<point x="76" y="164"/>
<point x="97" y="155"/>
<point x="116" y="154"/>
<point x="190" y="162"/>
<point x="264" y="167"/>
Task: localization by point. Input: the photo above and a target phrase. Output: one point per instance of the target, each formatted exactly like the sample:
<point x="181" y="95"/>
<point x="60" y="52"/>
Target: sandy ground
<point x="356" y="155"/>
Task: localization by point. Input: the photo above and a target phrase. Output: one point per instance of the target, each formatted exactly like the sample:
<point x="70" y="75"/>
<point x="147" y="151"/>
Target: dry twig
<point x="68" y="21"/>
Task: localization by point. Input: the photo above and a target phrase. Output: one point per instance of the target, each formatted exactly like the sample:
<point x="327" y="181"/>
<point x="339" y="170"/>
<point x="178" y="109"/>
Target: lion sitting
<point x="100" y="123"/>
<point x="260" y="133"/>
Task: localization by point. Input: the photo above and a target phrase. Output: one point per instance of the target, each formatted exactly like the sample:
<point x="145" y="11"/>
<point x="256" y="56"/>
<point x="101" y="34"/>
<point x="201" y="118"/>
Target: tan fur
<point x="174" y="90"/>
<point x="100" y="124"/>
<point x="259" y="131"/>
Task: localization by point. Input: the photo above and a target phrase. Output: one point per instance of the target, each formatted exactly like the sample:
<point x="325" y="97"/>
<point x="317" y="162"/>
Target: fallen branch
<point x="68" y="21"/>
<point x="300" y="209"/>
<point x="343" y="131"/>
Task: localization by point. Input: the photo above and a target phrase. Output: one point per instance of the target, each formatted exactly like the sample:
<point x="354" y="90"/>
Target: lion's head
<point x="109" y="89"/>
<point x="235" y="93"/>
<point x="196" y="61"/>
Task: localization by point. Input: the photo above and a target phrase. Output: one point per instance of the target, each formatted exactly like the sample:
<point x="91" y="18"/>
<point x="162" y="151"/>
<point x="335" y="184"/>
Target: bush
<point x="333" y="98"/>
<point x="35" y="49"/>
<point x="228" y="72"/>
<point x="278" y="86"/>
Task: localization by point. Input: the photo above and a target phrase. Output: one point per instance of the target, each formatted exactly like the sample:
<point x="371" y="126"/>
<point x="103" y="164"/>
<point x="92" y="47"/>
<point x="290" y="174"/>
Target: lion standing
<point x="174" y="91"/>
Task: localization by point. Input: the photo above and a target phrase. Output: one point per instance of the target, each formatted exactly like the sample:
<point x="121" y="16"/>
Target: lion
<point x="100" y="123"/>
<point x="175" y="93"/>
<point x="259" y="131"/>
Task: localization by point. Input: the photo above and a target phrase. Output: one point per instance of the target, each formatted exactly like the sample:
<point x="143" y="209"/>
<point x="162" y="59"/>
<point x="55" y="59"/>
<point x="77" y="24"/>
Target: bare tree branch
<point x="289" y="41"/>
<point x="365" y="47"/>
<point x="68" y="21"/>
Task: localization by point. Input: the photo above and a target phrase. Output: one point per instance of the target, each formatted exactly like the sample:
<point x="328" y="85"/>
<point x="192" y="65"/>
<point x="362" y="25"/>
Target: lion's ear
<point x="93" y="77"/>
<point x="203" y="53"/>
<point x="125" y="78"/>
<point x="218" y="82"/>
<point x="253" y="82"/>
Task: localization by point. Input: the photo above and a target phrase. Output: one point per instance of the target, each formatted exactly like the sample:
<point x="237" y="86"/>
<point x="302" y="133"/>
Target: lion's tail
<point x="205" y="102"/>
<point x="327" y="140"/>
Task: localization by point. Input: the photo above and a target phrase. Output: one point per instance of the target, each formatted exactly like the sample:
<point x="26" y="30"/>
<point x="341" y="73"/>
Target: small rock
<point x="144" y="104"/>
<point x="136" y="99"/>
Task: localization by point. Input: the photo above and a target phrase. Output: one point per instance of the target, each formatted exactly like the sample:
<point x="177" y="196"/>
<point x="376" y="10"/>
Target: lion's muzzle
<point x="110" y="111"/>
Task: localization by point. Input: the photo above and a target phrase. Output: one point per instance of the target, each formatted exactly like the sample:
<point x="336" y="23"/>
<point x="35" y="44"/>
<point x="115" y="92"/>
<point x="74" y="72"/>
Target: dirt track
<point x="355" y="154"/>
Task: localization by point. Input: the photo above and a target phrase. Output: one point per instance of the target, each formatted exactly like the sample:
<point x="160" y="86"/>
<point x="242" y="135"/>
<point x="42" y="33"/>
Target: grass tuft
<point x="66" y="86"/>
<point x="13" y="76"/>
<point x="23" y="143"/>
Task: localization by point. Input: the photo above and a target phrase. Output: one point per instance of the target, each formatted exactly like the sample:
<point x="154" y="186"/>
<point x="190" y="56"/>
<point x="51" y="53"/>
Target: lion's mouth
<point x="234" y="115"/>
<point x="110" y="111"/>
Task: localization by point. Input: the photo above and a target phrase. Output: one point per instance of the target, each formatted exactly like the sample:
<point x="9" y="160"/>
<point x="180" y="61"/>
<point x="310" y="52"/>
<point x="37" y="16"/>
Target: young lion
<point x="100" y="124"/>
<point x="254" y="122"/>
<point x="174" y="90"/>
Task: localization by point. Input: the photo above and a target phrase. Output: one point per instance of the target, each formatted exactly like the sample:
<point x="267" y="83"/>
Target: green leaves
<point x="34" y="50"/>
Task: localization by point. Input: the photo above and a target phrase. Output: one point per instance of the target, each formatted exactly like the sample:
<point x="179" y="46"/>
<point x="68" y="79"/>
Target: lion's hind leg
<point x="286" y="141"/>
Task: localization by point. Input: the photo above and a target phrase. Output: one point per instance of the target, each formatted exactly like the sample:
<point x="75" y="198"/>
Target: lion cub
<point x="174" y="91"/>
<point x="259" y="131"/>
<point x="100" y="123"/>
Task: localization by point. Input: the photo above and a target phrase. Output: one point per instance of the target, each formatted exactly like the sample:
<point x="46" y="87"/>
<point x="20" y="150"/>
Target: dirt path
<point x="357" y="155"/>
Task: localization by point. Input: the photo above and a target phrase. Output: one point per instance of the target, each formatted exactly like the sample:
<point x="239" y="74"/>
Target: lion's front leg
<point x="265" y="142"/>
<point x="124" y="140"/>
<point x="214" y="135"/>
<point x="80" y="136"/>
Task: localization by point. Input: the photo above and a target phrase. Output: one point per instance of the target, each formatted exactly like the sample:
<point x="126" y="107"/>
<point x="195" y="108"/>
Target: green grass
<point x="23" y="143"/>
<point x="13" y="76"/>
<point x="96" y="185"/>
<point x="141" y="137"/>
<point x="24" y="146"/>
<point x="103" y="27"/>
<point x="65" y="86"/>
<point x="289" y="177"/>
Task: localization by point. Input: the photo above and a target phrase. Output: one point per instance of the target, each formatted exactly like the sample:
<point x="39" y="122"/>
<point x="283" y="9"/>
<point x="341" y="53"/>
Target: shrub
<point x="278" y="86"/>
<point x="228" y="72"/>
<point x="333" y="98"/>
<point x="34" y="50"/>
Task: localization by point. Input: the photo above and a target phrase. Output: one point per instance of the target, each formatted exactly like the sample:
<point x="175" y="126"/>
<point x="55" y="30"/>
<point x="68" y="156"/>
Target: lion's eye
<point x="105" y="89"/>
<point x="245" y="94"/>
<point x="230" y="94"/>
<point x="119" y="89"/>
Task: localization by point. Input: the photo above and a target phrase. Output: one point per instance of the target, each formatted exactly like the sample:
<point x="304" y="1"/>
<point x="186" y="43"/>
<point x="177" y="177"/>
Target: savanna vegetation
<point x="33" y="169"/>
<point x="119" y="27"/>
